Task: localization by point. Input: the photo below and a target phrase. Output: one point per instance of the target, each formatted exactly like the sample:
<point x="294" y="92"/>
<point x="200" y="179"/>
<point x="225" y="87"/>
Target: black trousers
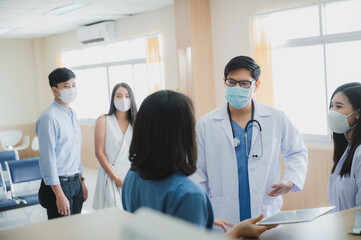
<point x="73" y="191"/>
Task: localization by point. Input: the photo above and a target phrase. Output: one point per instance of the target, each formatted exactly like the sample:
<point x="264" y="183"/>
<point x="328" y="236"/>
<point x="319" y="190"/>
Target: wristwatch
<point x="82" y="178"/>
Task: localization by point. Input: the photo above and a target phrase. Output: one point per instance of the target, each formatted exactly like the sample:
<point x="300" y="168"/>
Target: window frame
<point x="107" y="65"/>
<point x="322" y="39"/>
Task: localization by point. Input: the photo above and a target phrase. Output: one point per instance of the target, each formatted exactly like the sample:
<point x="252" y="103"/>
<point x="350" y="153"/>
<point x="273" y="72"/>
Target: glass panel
<point x="121" y="73"/>
<point x="154" y="77"/>
<point x="141" y="83"/>
<point x="94" y="55"/>
<point x="343" y="64"/>
<point x="343" y="17"/>
<point x="71" y="58"/>
<point x="92" y="100"/>
<point x="119" y="51"/>
<point x="293" y="24"/>
<point x="137" y="48"/>
<point x="298" y="76"/>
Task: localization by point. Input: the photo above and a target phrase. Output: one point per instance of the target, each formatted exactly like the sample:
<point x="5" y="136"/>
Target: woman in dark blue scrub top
<point x="163" y="153"/>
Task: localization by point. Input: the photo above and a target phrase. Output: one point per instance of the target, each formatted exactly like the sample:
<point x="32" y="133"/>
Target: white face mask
<point x="338" y="122"/>
<point x="123" y="104"/>
<point x="68" y="96"/>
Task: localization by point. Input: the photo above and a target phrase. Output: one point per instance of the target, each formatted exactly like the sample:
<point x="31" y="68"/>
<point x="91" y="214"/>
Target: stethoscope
<point x="252" y="121"/>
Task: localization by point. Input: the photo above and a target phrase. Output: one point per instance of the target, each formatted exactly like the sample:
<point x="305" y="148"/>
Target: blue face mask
<point x="238" y="97"/>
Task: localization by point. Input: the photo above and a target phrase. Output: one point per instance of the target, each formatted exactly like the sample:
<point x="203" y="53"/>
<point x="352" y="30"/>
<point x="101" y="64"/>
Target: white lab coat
<point x="217" y="169"/>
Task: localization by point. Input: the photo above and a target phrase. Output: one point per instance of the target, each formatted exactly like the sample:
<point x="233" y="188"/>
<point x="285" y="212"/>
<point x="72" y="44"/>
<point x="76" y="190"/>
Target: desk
<point x="103" y="224"/>
<point x="333" y="226"/>
<point x="106" y="225"/>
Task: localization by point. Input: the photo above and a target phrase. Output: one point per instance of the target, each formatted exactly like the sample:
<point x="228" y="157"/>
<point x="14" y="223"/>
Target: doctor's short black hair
<point x="243" y="62"/>
<point x="60" y="75"/>
<point x="164" y="136"/>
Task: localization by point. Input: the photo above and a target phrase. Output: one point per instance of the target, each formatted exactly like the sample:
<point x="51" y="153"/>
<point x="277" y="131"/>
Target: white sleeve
<point x="200" y="176"/>
<point x="294" y="153"/>
<point x="356" y="165"/>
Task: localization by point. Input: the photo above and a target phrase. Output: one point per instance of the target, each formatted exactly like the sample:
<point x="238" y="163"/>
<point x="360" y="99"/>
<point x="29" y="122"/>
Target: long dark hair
<point x="132" y="112"/>
<point x="164" y="136"/>
<point x="353" y="92"/>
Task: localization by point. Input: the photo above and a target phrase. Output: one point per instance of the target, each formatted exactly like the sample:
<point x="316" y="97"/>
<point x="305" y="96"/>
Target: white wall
<point x="159" y="21"/>
<point x="47" y="50"/>
<point x="153" y="22"/>
<point x="18" y="101"/>
<point x="231" y="32"/>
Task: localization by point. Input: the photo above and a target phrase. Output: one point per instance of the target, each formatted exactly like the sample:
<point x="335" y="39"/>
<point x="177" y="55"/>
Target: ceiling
<point x="28" y="18"/>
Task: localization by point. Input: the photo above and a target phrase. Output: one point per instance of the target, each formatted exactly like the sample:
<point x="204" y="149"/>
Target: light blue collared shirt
<point x="59" y="136"/>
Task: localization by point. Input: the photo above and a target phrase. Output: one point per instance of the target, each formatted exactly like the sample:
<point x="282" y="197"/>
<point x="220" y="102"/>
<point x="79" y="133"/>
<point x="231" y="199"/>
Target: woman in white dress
<point x="113" y="135"/>
<point x="344" y="186"/>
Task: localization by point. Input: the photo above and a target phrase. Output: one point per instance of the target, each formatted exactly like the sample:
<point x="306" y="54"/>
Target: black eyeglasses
<point x="242" y="83"/>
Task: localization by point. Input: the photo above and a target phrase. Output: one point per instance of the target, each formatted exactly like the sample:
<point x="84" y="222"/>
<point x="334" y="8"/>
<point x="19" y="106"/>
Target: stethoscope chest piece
<point x="236" y="142"/>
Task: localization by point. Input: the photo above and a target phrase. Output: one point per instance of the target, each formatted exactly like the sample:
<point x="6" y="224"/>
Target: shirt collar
<point x="261" y="110"/>
<point x="62" y="108"/>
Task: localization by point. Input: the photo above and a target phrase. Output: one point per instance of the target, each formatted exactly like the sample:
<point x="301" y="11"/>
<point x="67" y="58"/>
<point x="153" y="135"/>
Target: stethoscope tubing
<point x="248" y="123"/>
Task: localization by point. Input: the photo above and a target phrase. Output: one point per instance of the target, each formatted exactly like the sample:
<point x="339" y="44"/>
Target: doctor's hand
<point x="248" y="228"/>
<point x="222" y="224"/>
<point x="281" y="188"/>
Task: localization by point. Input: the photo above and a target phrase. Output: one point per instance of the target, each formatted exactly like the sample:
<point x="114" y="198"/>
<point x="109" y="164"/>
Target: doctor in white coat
<point x="239" y="147"/>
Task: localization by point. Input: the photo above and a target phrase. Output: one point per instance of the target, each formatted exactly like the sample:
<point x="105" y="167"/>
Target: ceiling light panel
<point x="66" y="8"/>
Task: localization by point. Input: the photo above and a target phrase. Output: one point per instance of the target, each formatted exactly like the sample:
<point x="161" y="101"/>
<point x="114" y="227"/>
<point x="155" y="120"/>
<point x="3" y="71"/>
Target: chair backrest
<point x="24" y="145"/>
<point x="2" y="181"/>
<point x="8" y="156"/>
<point x="10" y="137"/>
<point x="24" y="170"/>
<point x="35" y="144"/>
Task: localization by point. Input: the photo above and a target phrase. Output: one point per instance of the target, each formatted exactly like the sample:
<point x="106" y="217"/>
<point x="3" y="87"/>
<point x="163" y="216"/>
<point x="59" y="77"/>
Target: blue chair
<point x="25" y="170"/>
<point x="8" y="156"/>
<point x="4" y="157"/>
<point x="5" y="202"/>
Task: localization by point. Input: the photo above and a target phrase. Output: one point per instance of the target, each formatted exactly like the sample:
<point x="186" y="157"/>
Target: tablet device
<point x="295" y="216"/>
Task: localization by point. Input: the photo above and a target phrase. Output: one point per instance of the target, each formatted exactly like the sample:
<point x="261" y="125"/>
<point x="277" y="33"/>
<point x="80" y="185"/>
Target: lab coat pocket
<point x="348" y="191"/>
<point x="219" y="206"/>
<point x="215" y="188"/>
<point x="218" y="167"/>
<point x="264" y="149"/>
<point x="272" y="147"/>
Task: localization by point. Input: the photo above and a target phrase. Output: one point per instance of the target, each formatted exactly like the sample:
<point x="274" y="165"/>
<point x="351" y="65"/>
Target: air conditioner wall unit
<point x="98" y="32"/>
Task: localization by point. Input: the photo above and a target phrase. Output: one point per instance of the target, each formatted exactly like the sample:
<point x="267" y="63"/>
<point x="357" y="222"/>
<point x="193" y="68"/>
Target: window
<point x="99" y="68"/>
<point x="313" y="50"/>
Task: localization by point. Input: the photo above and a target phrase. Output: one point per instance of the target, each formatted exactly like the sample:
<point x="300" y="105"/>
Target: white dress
<point x="116" y="148"/>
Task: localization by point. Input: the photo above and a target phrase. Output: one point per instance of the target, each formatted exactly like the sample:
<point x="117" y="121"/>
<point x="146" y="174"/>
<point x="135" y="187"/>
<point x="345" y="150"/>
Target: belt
<point x="69" y="178"/>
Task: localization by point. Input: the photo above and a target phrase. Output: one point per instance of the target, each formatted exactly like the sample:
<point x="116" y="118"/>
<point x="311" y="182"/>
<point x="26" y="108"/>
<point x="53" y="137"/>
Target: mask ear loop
<point x="357" y="117"/>
<point x="57" y="91"/>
